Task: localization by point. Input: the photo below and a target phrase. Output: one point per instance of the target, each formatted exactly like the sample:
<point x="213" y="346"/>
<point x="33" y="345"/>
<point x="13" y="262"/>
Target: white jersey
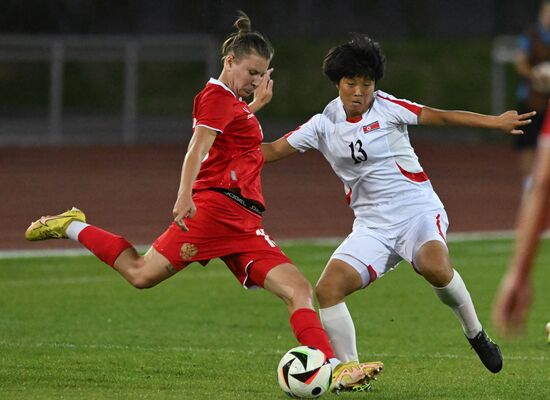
<point x="372" y="155"/>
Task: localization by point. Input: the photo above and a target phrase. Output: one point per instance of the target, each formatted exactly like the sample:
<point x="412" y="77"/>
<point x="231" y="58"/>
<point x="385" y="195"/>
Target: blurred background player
<point x="533" y="68"/>
<point x="363" y="135"/>
<point x="218" y="211"/>
<point x="516" y="292"/>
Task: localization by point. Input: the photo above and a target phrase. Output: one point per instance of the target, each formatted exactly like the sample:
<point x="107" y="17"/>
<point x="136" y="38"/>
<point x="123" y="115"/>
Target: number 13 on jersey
<point x="358" y="154"/>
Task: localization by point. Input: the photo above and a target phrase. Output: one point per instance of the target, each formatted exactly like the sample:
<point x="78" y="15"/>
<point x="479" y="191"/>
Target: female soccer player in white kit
<point x="363" y="135"/>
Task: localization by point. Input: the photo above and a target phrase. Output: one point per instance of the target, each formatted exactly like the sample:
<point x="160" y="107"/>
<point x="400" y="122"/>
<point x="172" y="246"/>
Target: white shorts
<point x="375" y="251"/>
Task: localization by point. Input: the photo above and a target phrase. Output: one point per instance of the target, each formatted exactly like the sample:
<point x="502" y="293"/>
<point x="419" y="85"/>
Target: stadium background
<point x="439" y="54"/>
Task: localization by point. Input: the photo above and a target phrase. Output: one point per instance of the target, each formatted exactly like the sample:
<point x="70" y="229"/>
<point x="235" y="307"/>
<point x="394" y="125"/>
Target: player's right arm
<point x="277" y="150"/>
<point x="303" y="138"/>
<point x="199" y="146"/>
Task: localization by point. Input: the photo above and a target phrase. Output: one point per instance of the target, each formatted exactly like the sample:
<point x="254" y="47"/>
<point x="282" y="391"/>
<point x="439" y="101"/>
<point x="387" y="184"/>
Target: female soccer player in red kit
<point x="219" y="204"/>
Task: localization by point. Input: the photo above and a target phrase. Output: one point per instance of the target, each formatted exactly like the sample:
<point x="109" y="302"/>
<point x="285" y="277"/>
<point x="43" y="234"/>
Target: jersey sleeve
<point x="214" y="111"/>
<point x="306" y="136"/>
<point x="544" y="136"/>
<point x="399" y="111"/>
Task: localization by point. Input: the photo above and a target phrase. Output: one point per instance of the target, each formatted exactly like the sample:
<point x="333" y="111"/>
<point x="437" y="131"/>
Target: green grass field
<point x="71" y="328"/>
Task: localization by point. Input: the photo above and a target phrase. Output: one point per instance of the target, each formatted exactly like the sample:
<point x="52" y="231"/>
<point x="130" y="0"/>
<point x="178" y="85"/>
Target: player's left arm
<point x="276" y="150"/>
<point x="263" y="93"/>
<point x="509" y="121"/>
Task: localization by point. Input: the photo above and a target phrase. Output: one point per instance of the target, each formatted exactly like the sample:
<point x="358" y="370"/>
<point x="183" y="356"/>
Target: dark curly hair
<point x="361" y="56"/>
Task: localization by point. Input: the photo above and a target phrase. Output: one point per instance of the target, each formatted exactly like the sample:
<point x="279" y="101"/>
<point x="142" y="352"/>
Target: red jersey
<point x="545" y="131"/>
<point x="235" y="159"/>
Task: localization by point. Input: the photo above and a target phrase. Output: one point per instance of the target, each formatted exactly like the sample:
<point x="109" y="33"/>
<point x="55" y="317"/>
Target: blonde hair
<point x="244" y="41"/>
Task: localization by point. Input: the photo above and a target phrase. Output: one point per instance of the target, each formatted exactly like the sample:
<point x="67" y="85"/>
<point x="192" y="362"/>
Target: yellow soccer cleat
<point x="53" y="226"/>
<point x="354" y="376"/>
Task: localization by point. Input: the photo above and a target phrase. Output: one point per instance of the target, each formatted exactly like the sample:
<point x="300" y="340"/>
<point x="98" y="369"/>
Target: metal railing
<point x="57" y="50"/>
<point x="131" y="50"/>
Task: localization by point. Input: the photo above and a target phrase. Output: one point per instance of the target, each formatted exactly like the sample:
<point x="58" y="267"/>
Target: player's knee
<point x="432" y="261"/>
<point x="328" y="294"/>
<point x="302" y="289"/>
<point x="141" y="283"/>
<point x="299" y="294"/>
<point x="138" y="278"/>
<point x="438" y="275"/>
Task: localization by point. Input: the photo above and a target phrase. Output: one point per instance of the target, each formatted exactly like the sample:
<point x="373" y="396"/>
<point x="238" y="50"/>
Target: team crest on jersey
<point x="188" y="251"/>
<point x="371" y="127"/>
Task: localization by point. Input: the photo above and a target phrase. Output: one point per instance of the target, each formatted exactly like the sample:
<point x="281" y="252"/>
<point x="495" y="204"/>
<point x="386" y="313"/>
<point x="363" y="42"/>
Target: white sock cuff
<point x="336" y="311"/>
<point x="455" y="281"/>
<point x="454" y="293"/>
<point x="74" y="229"/>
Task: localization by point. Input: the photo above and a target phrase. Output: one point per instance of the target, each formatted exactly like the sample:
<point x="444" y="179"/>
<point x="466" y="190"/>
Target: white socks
<point x="340" y="330"/>
<point x="456" y="296"/>
<point x="74" y="229"/>
<point x="334" y="362"/>
<point x="339" y="326"/>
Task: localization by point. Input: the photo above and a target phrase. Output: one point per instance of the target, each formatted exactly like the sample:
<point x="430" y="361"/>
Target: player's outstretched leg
<point x="354" y="376"/>
<point x="548" y="331"/>
<point x="72" y="225"/>
<point x="488" y="351"/>
<point x="53" y="226"/>
<point x="140" y="271"/>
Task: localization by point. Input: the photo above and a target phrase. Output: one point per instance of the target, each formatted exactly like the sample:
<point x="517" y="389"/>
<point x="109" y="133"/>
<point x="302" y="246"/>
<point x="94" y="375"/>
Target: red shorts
<point x="222" y="229"/>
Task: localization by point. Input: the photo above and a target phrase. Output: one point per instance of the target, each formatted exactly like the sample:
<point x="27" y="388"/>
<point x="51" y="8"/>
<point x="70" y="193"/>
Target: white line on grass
<point x="56" y="281"/>
<point x="189" y="349"/>
<point x="326" y="241"/>
<point x="208" y="274"/>
<point x="9" y="254"/>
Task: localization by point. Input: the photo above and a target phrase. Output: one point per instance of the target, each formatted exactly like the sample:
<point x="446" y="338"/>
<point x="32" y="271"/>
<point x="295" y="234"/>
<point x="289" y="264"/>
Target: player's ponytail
<point x="244" y="41"/>
<point x="243" y="24"/>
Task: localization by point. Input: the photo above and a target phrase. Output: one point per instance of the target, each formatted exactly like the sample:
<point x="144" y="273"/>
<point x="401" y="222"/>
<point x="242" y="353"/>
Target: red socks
<point x="309" y="331"/>
<point x="105" y="245"/>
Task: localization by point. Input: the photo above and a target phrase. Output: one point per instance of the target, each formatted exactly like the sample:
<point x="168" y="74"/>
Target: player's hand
<point x="512" y="304"/>
<point x="184" y="208"/>
<point x="263" y="93"/>
<point x="511" y="122"/>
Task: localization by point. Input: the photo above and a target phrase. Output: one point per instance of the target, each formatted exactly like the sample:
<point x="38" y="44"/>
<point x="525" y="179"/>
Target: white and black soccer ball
<point x="304" y="372"/>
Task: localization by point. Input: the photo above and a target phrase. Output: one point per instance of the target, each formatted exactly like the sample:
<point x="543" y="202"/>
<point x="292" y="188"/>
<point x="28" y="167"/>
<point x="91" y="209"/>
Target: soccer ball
<point x="304" y="372"/>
